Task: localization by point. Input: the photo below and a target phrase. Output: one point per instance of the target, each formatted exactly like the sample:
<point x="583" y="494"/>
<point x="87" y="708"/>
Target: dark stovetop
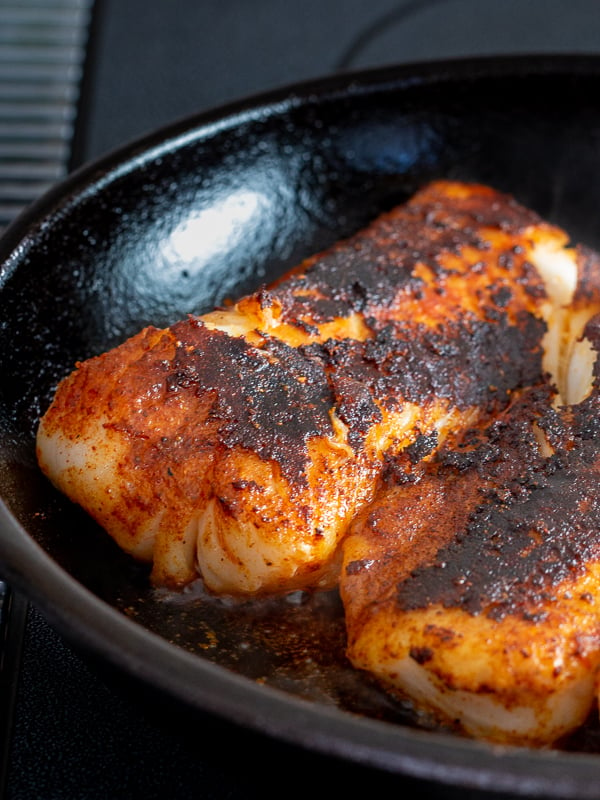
<point x="74" y="735"/>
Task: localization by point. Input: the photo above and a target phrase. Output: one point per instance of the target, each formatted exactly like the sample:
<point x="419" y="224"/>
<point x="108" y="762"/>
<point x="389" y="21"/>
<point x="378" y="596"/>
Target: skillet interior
<point x="210" y="209"/>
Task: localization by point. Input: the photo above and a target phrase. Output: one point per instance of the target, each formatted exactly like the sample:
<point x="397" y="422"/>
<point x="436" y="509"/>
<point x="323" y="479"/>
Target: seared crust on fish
<point x="472" y="588"/>
<point x="240" y="445"/>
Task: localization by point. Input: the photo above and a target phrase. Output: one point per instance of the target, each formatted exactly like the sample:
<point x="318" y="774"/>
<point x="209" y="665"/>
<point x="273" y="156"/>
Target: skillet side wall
<point x="180" y="230"/>
<point x="212" y="214"/>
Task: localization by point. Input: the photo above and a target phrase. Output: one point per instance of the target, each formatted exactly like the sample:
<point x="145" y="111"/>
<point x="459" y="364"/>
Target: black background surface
<point x="153" y="61"/>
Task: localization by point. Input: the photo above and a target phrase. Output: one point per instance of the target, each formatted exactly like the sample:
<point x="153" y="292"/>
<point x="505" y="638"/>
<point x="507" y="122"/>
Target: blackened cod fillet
<point x="239" y="445"/>
<point x="473" y="588"/>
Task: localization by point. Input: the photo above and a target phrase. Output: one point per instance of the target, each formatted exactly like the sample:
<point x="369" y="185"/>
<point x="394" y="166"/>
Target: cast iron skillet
<point x="208" y="209"/>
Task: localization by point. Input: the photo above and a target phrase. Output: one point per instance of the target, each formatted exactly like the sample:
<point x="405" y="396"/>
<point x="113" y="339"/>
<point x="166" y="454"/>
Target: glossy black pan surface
<point x="209" y="209"/>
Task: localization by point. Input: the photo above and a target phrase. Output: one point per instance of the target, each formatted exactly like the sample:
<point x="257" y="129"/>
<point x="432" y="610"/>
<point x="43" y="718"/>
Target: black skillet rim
<point x="83" y="618"/>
